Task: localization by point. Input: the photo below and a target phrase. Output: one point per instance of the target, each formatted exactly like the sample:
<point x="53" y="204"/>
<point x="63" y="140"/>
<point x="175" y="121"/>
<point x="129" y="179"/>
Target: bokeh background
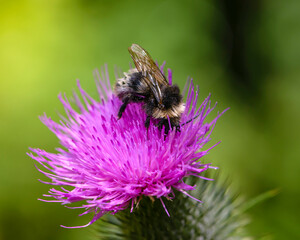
<point x="246" y="53"/>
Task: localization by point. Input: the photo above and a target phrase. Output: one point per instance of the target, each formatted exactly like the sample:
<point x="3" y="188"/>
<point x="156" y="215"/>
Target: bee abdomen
<point x="173" y="112"/>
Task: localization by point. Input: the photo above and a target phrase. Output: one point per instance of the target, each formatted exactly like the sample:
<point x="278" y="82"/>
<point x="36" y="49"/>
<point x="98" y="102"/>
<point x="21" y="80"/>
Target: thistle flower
<point x="108" y="164"/>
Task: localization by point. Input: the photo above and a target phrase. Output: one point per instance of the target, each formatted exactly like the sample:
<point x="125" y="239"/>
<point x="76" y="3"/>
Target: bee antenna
<point x="191" y="119"/>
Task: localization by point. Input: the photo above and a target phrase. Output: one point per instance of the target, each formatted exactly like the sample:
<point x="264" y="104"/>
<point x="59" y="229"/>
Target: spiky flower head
<point x="108" y="164"/>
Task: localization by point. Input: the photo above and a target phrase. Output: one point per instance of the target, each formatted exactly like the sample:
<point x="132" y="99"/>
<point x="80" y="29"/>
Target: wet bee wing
<point x="152" y="74"/>
<point x="144" y="63"/>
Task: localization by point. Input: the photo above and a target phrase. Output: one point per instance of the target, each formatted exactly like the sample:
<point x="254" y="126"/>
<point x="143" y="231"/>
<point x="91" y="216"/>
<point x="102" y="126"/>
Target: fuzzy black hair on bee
<point x="146" y="83"/>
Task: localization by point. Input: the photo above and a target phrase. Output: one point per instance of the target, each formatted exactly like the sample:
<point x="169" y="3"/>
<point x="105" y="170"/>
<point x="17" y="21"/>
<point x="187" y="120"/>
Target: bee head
<point x="121" y="86"/>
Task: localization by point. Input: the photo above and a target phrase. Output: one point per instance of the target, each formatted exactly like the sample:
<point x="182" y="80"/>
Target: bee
<point x="162" y="102"/>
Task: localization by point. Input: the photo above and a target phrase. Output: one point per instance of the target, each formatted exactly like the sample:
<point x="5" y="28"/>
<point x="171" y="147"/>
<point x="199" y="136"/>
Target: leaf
<point x="259" y="199"/>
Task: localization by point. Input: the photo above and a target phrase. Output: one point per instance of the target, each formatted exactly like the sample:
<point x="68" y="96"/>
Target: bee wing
<point x="152" y="74"/>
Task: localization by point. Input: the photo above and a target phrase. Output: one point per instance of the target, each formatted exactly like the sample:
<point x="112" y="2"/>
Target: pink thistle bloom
<point x="108" y="165"/>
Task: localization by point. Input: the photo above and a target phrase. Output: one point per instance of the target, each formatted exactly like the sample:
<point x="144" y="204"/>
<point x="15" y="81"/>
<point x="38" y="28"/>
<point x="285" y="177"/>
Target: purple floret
<point x="108" y="164"/>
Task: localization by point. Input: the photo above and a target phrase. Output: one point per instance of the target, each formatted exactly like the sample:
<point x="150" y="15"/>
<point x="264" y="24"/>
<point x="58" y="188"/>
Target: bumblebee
<point x="162" y="102"/>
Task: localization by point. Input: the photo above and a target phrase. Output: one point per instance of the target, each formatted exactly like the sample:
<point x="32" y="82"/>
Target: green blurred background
<point x="246" y="53"/>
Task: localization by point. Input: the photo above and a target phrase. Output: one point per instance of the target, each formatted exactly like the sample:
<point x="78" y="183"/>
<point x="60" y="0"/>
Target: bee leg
<point x="147" y="122"/>
<point x="163" y="122"/>
<point x="167" y="128"/>
<point x="123" y="107"/>
<point x="177" y="128"/>
<point x="137" y="99"/>
<point x="160" y="124"/>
